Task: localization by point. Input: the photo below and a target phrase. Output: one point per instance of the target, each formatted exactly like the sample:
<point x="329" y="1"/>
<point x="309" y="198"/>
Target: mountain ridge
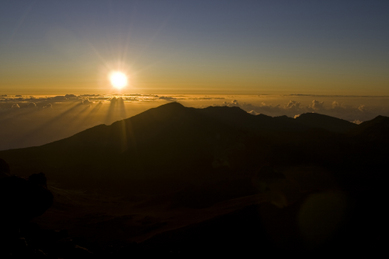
<point x="172" y="138"/>
<point x="179" y="174"/>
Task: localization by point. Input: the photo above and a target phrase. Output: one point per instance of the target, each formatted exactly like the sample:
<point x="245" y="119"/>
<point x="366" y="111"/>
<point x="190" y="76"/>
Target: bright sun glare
<point x="118" y="79"/>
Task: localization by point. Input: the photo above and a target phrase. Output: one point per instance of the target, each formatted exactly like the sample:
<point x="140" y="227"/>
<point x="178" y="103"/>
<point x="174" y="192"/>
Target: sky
<point x="310" y="47"/>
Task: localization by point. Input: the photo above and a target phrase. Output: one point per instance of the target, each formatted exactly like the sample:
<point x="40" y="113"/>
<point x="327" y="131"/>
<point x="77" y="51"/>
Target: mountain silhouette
<point x="314" y="120"/>
<point x="187" y="173"/>
<point x="170" y="139"/>
<point x="374" y="130"/>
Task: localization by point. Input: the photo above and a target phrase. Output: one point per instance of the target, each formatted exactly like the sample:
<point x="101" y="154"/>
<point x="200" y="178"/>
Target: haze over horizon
<point x="36" y="120"/>
<point x="195" y="47"/>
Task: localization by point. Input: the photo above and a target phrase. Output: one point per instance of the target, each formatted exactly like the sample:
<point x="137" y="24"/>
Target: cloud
<point x="233" y="103"/>
<point x="357" y="122"/>
<point x="362" y="108"/>
<point x="31" y="105"/>
<point x="70" y="96"/>
<point x="332" y="95"/>
<point x="114" y="100"/>
<point x="316" y="105"/>
<point x="86" y="102"/>
<point x="348" y="108"/>
<point x="12" y="101"/>
<point x="59" y="98"/>
<point x="50" y="113"/>
<point x="253" y="112"/>
<point x="294" y="108"/>
<point x="167" y="98"/>
<point x="48" y="106"/>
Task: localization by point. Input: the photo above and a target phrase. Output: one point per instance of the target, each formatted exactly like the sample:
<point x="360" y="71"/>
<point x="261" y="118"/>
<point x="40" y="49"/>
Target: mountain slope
<point x="180" y="174"/>
<point x="177" y="141"/>
<point x="315" y="120"/>
<point x="375" y="130"/>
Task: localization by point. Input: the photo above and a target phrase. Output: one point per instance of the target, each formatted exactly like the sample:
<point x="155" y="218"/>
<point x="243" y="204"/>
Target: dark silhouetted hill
<point x="21" y="200"/>
<point x="320" y="121"/>
<point x="374" y="130"/>
<point x="188" y="143"/>
<point x="4" y="169"/>
<point x="236" y="117"/>
<point x="219" y="172"/>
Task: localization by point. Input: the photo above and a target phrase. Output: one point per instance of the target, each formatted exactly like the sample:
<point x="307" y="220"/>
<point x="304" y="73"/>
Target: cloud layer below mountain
<point x="36" y="120"/>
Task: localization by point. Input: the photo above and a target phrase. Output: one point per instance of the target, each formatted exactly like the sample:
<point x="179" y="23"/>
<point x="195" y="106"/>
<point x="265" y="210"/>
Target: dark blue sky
<point x="253" y="46"/>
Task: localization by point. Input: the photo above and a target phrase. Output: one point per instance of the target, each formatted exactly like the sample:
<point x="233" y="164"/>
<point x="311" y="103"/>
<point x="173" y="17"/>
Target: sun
<point x="118" y="79"/>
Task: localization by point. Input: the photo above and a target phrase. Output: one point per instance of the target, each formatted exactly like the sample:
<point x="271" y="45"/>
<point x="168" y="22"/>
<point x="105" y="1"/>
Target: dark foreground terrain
<point x="213" y="181"/>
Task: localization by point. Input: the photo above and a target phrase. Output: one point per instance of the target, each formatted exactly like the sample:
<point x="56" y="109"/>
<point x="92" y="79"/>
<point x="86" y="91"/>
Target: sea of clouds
<point x="35" y="120"/>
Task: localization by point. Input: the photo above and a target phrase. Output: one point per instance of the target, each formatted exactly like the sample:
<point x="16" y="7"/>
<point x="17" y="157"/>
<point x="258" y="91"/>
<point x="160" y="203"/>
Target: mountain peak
<point x="375" y="129"/>
<point x="172" y="104"/>
<point x="316" y="120"/>
<point x="379" y="120"/>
